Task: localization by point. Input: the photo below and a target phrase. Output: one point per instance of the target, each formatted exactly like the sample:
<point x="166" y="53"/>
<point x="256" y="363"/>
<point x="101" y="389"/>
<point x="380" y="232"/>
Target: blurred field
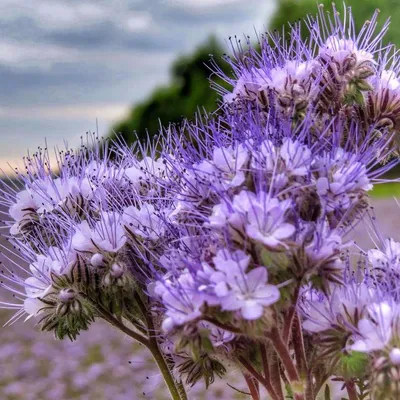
<point x="104" y="364"/>
<point x="386" y="190"/>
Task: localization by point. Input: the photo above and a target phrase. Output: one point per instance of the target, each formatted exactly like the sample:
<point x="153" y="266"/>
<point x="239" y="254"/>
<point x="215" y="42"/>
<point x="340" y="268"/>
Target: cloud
<point x="203" y="4"/>
<point x="66" y="63"/>
<point x="107" y="112"/>
<point x="137" y="22"/>
<point x="63" y="15"/>
<point x="43" y="56"/>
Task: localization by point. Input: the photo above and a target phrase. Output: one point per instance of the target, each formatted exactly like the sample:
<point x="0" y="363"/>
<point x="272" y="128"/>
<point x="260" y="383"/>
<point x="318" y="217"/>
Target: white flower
<point x="339" y="49"/>
<point x="181" y="299"/>
<point x="144" y="222"/>
<point x="343" y="307"/>
<point x="107" y="235"/>
<point x="55" y="192"/>
<point x="296" y="156"/>
<point x="341" y="176"/>
<point x="388" y="257"/>
<point x="82" y="238"/>
<point x="375" y="331"/>
<point x="266" y="221"/>
<point x="388" y="80"/>
<point x="247" y="86"/>
<point x="146" y="171"/>
<point x="290" y="77"/>
<point x="57" y="261"/>
<point x="24" y="205"/>
<point x="229" y="163"/>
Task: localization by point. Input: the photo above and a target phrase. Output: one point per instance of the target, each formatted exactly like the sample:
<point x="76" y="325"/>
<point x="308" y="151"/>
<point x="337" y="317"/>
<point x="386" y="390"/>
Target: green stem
<point x="181" y="390"/>
<point x="173" y="385"/>
<point x="118" y="324"/>
<point x="165" y="371"/>
<point x="152" y="345"/>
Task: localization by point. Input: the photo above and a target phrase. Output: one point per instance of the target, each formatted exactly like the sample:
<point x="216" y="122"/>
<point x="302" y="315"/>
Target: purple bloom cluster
<point x="221" y="241"/>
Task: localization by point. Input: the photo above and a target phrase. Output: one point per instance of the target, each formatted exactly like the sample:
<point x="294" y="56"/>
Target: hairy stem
<point x="254" y="373"/>
<point x="152" y="345"/>
<point x="287" y="326"/>
<point x="351" y="390"/>
<point x="298" y="345"/>
<point x="157" y="354"/>
<point x="119" y="324"/>
<point x="283" y="353"/>
<point x="251" y="383"/>
<point x="166" y="373"/>
<point x="276" y="376"/>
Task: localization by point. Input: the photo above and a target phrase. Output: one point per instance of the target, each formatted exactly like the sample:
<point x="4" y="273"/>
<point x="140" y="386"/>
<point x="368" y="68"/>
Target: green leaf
<point x="327" y="393"/>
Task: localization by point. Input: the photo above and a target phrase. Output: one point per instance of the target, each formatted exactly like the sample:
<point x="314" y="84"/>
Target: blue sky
<point x="66" y="63"/>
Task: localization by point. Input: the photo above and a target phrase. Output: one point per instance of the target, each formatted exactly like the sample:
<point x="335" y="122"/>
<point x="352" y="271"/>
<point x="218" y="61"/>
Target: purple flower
<point x="386" y="259"/>
<point x="239" y="290"/>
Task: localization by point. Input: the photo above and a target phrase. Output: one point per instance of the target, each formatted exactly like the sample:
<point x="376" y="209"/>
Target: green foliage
<point x="386" y="189"/>
<point x="188" y="91"/>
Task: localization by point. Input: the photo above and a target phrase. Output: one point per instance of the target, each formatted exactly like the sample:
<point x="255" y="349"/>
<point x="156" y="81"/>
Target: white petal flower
<point x="375" y="330"/>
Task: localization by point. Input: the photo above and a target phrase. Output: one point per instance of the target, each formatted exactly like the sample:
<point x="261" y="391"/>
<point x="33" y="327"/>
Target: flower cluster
<point x="222" y="242"/>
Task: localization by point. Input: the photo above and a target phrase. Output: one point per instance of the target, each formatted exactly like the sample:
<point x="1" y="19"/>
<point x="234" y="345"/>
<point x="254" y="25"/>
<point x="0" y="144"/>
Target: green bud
<point x="353" y="365"/>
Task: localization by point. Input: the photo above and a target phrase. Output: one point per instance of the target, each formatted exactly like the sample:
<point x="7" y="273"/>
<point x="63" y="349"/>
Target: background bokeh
<point x="67" y="67"/>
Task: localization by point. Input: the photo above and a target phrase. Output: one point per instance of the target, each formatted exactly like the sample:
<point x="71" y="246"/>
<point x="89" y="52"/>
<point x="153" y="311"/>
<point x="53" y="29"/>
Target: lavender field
<point x="103" y="364"/>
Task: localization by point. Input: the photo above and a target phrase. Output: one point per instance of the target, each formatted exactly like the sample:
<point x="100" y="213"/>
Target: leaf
<point x="327" y="393"/>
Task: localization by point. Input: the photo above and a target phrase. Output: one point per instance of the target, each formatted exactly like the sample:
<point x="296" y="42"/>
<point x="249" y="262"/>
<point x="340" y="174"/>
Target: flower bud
<point x="395" y="356"/>
<point x="97" y="260"/>
<point x="116" y="271"/>
<point x="66" y="295"/>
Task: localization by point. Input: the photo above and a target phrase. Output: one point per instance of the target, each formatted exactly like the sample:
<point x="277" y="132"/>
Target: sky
<point x="72" y="66"/>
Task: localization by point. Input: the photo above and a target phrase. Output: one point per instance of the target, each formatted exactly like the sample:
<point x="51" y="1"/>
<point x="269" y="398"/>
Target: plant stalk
<point x="165" y="371"/>
<point x="152" y="345"/>
<point x="251" y="383"/>
<point x="290" y="368"/>
<point x="351" y="390"/>
<point x="276" y="376"/>
<point x="254" y="373"/>
<point x="172" y="384"/>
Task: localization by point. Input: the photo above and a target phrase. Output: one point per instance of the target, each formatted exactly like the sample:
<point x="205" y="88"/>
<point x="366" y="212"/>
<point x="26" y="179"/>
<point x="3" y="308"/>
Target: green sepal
<point x="352" y="365"/>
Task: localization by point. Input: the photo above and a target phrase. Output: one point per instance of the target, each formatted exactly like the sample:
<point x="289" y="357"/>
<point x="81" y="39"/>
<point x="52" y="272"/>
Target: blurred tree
<point x="189" y="89"/>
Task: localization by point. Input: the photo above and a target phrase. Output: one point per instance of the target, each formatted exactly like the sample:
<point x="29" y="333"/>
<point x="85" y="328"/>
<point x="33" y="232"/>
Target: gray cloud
<point x="67" y="57"/>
